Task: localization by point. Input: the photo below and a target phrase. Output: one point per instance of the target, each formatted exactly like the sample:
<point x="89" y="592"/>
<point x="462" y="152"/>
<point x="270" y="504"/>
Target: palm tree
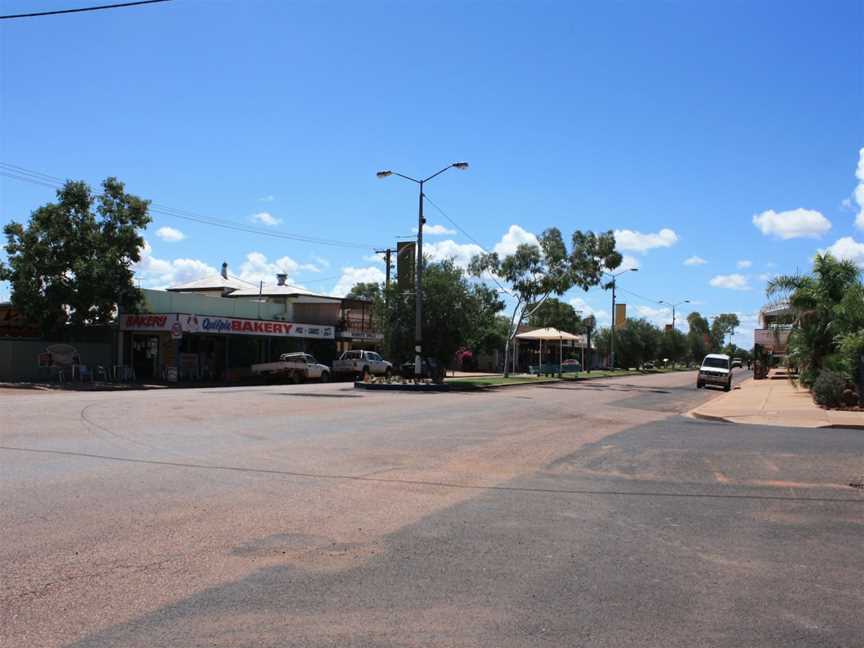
<point x="816" y="301"/>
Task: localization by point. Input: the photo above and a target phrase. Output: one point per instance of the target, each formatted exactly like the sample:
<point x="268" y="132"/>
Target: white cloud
<point x="435" y="230"/>
<point x="628" y="263"/>
<point x="602" y="316"/>
<point x="153" y="272"/>
<point x="170" y="234"/>
<point x="626" y="239"/>
<point x="460" y="253"/>
<point x="859" y="190"/>
<point x="351" y="276"/>
<point x="767" y="276"/>
<point x="375" y="258"/>
<point x="846" y="203"/>
<point x="321" y="261"/>
<point x="743" y="264"/>
<point x="514" y="237"/>
<point x="795" y="223"/>
<point x="848" y="249"/>
<point x="257" y="268"/>
<point x="268" y="198"/>
<point x="309" y="267"/>
<point x="744" y="333"/>
<point x="659" y="316"/>
<point x="266" y="218"/>
<point x="730" y="281"/>
<point x="695" y="260"/>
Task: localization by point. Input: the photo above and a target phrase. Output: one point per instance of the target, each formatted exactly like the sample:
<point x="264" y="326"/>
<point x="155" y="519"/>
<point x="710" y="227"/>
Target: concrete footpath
<point x="775" y="401"/>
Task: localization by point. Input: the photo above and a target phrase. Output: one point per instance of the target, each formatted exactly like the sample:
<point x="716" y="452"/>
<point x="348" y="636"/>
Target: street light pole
<point x="418" y="281"/>
<point x="674" y="306"/>
<point x="612" y="332"/>
<point x="418" y="295"/>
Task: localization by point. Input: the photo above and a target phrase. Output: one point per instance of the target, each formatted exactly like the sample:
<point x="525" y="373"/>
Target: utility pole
<point x="612" y="331"/>
<point x="674" y="306"/>
<point x="386" y="254"/>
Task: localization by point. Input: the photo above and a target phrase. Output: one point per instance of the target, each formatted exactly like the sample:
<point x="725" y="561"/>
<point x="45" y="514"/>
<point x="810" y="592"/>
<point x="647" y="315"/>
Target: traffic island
<point x="406" y="387"/>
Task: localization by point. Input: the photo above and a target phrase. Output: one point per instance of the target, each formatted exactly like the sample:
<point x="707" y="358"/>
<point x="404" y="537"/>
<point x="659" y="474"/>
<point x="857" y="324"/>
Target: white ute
<point x="716" y="369"/>
<point x="296" y="367"/>
<point x="360" y="363"/>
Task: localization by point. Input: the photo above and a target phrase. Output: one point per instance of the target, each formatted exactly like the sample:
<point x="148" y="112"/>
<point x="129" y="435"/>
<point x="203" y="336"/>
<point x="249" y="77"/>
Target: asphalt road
<point x="588" y="514"/>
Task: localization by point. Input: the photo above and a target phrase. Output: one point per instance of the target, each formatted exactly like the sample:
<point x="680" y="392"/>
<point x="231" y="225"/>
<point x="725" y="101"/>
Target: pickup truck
<point x="360" y="363"/>
<point x="296" y="367"/>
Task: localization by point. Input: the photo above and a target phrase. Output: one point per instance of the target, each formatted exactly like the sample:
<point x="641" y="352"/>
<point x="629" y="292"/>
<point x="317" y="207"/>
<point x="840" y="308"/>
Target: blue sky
<point x="678" y="122"/>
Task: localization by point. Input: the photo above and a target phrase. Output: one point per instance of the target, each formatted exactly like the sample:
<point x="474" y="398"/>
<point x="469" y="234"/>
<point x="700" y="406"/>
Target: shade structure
<point x="547" y="334"/>
<point x="553" y="335"/>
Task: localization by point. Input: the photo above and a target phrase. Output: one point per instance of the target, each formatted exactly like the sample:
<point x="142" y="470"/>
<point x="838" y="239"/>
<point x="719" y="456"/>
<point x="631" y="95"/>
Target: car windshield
<point x="719" y="363"/>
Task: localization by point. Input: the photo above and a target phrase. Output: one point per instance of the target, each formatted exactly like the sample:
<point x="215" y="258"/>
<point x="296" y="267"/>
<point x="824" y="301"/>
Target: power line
<point x="57" y="12"/>
<point x="468" y="236"/>
<point x="642" y="297"/>
<point x="36" y="177"/>
<point x="454" y="223"/>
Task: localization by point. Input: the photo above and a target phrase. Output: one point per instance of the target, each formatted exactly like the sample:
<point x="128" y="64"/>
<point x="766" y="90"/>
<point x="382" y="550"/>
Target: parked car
<point x="716" y="369"/>
<point x="360" y="363"/>
<point x="571" y="366"/>
<point x="649" y="366"/>
<point x="296" y="367"/>
<point x="431" y="369"/>
<point x="736" y="362"/>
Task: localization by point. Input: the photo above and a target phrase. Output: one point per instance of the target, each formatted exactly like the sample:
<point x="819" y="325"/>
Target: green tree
<point x="72" y="264"/>
<point x="456" y="314"/>
<point x="603" y="342"/>
<point x="698" y="337"/>
<point x="372" y="291"/>
<point x="673" y="345"/>
<point x="637" y="342"/>
<point x="534" y="273"/>
<point x="828" y="315"/>
<point x="554" y="313"/>
<point x="723" y="325"/>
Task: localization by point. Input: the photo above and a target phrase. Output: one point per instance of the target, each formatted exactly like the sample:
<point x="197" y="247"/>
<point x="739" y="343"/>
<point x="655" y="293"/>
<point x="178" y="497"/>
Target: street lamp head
<point x="634" y="269"/>
<point x="460" y="165"/>
<point x="384" y="174"/>
<point x="686" y="301"/>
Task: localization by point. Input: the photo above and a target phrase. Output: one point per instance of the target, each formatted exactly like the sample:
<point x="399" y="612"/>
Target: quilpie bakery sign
<point x="156" y="322"/>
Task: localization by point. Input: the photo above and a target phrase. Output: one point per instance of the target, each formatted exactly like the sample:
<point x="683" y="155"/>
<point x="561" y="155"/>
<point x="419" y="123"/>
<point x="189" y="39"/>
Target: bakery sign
<point x="167" y="322"/>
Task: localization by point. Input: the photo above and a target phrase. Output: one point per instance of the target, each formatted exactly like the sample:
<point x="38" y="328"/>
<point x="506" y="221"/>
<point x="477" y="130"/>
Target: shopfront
<point x="196" y="347"/>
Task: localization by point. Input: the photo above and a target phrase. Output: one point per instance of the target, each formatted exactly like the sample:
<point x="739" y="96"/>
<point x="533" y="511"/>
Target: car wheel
<point x="699" y="384"/>
<point x="325" y="376"/>
<point x="728" y="386"/>
<point x="387" y="373"/>
<point x="295" y="378"/>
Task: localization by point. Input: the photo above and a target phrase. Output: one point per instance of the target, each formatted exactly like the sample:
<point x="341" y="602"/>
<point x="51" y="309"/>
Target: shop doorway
<point x="145" y="356"/>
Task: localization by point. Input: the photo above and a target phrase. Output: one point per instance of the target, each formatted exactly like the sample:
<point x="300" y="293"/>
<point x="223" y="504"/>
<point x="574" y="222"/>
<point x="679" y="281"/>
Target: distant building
<point x="775" y="326"/>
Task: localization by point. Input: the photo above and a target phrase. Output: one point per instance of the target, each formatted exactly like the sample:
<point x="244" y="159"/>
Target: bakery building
<point x="217" y="327"/>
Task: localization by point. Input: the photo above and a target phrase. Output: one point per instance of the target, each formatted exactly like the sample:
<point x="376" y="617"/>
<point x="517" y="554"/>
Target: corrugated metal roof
<point x="278" y="291"/>
<point x="212" y="282"/>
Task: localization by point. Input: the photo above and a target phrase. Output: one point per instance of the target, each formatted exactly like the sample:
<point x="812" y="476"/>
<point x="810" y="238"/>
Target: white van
<point x="716" y="369"/>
